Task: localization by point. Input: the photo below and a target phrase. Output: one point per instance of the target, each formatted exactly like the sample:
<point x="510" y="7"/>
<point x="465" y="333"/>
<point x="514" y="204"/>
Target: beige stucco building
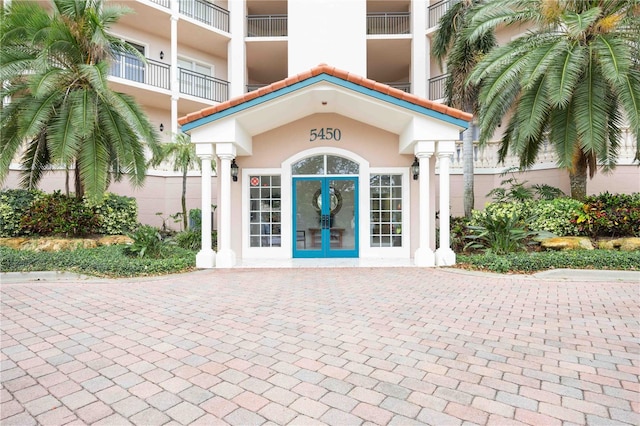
<point x="204" y="57"/>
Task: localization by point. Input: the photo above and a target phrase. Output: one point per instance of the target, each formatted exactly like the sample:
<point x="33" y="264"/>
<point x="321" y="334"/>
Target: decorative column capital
<point x="424" y="149"/>
<point x="204" y="150"/>
<point x="446" y="148"/>
<point x="226" y="151"/>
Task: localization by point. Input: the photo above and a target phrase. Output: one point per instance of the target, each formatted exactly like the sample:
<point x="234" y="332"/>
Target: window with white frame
<point x="386" y="210"/>
<point x="193" y="78"/>
<point x="265" y="221"/>
<point x="128" y="66"/>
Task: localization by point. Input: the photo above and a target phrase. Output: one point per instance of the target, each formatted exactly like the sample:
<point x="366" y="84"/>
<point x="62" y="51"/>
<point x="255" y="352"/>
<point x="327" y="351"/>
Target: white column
<point x="236" y="65"/>
<point x="419" y="45"/>
<point x="225" y="258"/>
<point x="444" y="255"/>
<point x="206" y="256"/>
<point x="424" y="255"/>
<point x="175" y="84"/>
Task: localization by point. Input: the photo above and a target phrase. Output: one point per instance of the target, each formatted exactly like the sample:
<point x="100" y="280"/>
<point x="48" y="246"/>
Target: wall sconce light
<point x="161" y="127"/>
<point x="161" y="54"/>
<point x="415" y="168"/>
<point x="234" y="170"/>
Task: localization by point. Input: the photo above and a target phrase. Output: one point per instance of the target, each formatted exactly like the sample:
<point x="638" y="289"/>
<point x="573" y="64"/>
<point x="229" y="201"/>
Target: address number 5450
<point x="325" y="134"/>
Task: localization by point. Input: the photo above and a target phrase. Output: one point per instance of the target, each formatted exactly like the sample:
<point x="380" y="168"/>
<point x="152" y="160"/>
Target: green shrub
<point x="13" y="205"/>
<point x="459" y="231"/>
<point x="610" y="215"/>
<point x="191" y="239"/>
<point x="500" y="233"/>
<point x="105" y="261"/>
<point x="188" y="239"/>
<point x="58" y="214"/>
<point x="539" y="261"/>
<point x="118" y="215"/>
<point x="147" y="242"/>
<point x="555" y="216"/>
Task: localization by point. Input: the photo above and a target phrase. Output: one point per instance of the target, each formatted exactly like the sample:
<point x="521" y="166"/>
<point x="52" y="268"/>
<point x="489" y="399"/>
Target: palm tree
<point x="62" y="113"/>
<point x="461" y="56"/>
<point x="571" y="81"/>
<point x="182" y="154"/>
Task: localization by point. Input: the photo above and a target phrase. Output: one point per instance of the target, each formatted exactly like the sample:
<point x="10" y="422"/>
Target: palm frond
<point x="35" y="161"/>
<point x="564" y="75"/>
<point x="591" y="114"/>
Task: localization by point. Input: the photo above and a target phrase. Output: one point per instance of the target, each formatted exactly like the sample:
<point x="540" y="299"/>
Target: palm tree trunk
<point x="78" y="182"/>
<point x="184" y="199"/>
<point x="578" y="178"/>
<point x="66" y="180"/>
<point x="467" y="171"/>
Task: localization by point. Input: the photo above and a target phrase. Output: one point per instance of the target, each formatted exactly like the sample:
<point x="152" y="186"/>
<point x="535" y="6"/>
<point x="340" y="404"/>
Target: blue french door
<point x="325" y="222"/>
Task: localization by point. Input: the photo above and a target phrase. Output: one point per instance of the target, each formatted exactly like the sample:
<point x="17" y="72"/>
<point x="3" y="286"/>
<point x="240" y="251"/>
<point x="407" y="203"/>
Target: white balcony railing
<point x="485" y="159"/>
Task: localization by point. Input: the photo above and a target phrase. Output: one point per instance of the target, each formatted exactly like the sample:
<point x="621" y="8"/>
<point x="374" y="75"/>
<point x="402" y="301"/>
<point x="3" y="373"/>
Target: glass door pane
<point x="307" y="226"/>
<point x="343" y="204"/>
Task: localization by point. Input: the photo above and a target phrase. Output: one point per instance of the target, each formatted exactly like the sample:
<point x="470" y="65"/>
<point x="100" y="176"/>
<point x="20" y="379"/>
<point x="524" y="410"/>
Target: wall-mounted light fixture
<point x="161" y="54"/>
<point x="161" y="127"/>
<point x="234" y="170"/>
<point x="415" y="168"/>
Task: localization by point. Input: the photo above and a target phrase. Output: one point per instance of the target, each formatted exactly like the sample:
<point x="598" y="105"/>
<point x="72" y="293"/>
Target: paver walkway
<point x="321" y="346"/>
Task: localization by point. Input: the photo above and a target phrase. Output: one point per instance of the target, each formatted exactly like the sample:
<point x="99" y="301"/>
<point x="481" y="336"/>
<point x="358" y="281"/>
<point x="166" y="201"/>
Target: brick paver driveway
<point x="333" y="346"/>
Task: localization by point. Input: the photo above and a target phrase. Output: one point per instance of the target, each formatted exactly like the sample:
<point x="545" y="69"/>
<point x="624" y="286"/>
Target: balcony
<point x="437" y="87"/>
<point x="205" y="12"/>
<point x="267" y="26"/>
<point x="388" y="23"/>
<point x="157" y="74"/>
<point x="405" y="87"/>
<point x="150" y="72"/>
<point x="437" y="11"/>
<point x="163" y="3"/>
<point x="203" y="86"/>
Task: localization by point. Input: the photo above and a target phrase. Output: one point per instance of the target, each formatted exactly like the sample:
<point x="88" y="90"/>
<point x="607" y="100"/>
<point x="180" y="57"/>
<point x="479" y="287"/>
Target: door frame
<point x="326" y="250"/>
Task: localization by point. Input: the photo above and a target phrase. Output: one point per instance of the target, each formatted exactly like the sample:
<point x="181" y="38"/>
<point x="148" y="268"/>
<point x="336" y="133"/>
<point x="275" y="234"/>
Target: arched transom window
<point x="325" y="165"/>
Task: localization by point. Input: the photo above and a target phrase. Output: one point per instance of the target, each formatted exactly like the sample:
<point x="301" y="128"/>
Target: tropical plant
<point x="555" y="216"/>
<point x="511" y="189"/>
<point x="570" y="81"/>
<point x="611" y="215"/>
<point x="58" y="214"/>
<point x="461" y="55"/>
<point x="118" y="214"/>
<point x="54" y="67"/>
<point x="147" y="242"/>
<point x="13" y="204"/>
<point x="182" y="154"/>
<point x="500" y="234"/>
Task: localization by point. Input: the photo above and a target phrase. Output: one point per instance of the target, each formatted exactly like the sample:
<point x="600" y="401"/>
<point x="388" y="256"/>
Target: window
<point x="386" y="210"/>
<point x="128" y="66"/>
<point x="265" y="211"/>
<point x="325" y="165"/>
<point x="195" y="78"/>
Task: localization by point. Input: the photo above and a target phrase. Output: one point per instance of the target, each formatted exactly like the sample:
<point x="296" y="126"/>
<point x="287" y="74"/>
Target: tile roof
<point x="335" y="72"/>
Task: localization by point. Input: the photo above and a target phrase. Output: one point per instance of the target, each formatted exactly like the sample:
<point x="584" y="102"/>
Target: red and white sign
<point x="255" y="181"/>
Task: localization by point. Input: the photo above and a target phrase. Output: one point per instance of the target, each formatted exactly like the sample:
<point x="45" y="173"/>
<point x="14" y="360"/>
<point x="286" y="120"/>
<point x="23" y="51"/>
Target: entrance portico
<point x="324" y="160"/>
